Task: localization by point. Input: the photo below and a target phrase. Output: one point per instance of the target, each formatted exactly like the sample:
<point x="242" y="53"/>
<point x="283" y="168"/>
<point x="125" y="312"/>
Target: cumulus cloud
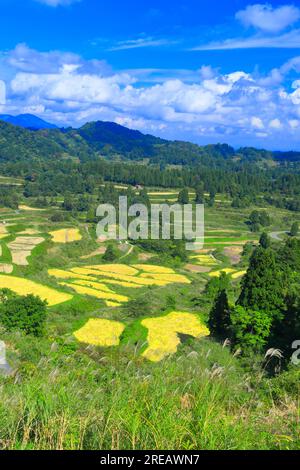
<point x="2" y="92"/>
<point x="237" y="107"/>
<point x="269" y="19"/>
<point x="56" y="3"/>
<point x="270" y="24"/>
<point x="30" y="60"/>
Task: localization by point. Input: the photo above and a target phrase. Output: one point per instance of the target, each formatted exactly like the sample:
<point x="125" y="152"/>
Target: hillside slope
<point x="111" y="140"/>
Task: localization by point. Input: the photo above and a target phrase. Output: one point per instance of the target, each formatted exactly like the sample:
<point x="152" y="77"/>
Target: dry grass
<point x="22" y="247"/>
<point x="194" y="268"/>
<point x="6" y="268"/>
<point x="233" y="253"/>
<point x="100" y="251"/>
<point x="145" y="256"/>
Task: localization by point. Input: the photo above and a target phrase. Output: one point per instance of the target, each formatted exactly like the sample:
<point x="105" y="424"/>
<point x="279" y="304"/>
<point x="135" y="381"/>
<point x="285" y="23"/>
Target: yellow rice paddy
<point x="218" y="273"/>
<point x="120" y="277"/>
<point x="100" y="332"/>
<point x="115" y="268"/>
<point x="206" y="260"/>
<point x="95" y="293"/>
<point x="61" y="274"/>
<point x="238" y="274"/>
<point x="25" y="287"/>
<point x="92" y="280"/>
<point x="151" y="268"/>
<point x="66" y="235"/>
<point x="170" y="278"/>
<point x="112" y="304"/>
<point x="93" y="285"/>
<point x="129" y="285"/>
<point x="3" y="231"/>
<point x="163" y="338"/>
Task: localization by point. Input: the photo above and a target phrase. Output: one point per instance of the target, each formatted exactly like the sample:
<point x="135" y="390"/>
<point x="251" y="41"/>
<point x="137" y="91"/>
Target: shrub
<point x="26" y="313"/>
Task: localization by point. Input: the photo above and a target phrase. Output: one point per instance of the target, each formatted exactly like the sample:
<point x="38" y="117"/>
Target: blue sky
<point x="201" y="70"/>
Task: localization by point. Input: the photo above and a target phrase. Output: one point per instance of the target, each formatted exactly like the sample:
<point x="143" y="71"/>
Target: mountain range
<point x="28" y="121"/>
<point x="33" y="138"/>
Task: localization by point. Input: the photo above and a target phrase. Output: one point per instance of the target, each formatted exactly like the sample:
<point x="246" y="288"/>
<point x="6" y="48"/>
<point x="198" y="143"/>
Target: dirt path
<point x="128" y="252"/>
<point x="276" y="235"/>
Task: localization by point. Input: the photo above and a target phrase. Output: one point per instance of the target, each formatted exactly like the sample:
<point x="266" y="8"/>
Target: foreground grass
<point x="114" y="399"/>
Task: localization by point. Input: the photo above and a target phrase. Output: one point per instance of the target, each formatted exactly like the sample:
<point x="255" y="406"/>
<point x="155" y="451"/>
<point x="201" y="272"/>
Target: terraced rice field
<point x="178" y="278"/>
<point x="23" y="286"/>
<point x="151" y="268"/>
<point x="21" y="248"/>
<point x="100" y="332"/>
<point x="232" y="272"/>
<point x="66" y="235"/>
<point x="3" y="231"/>
<point x="163" y="338"/>
<point x="109" y="303"/>
<point x="205" y="260"/>
<point x="93" y="280"/>
<point x="115" y="268"/>
<point x="99" y="294"/>
<point x="238" y="274"/>
<point x="23" y="207"/>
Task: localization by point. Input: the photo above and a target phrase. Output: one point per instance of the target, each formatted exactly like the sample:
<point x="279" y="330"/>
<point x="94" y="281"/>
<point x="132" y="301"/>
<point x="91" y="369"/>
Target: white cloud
<point x="56" y="3"/>
<point x="275" y="124"/>
<point x="290" y="40"/>
<point x="257" y="123"/>
<point x="270" y="24"/>
<point x="237" y="107"/>
<point x="25" y="59"/>
<point x="141" y="43"/>
<point x="2" y="92"/>
<point x="294" y="123"/>
<point x="269" y="19"/>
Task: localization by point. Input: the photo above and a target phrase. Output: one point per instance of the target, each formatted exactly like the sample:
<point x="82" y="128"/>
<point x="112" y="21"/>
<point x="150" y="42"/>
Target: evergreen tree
<point x="262" y="287"/>
<point x="294" y="229"/>
<point x="265" y="241"/>
<point x="219" y="318"/>
<point x="183" y="196"/>
<point x="68" y="203"/>
<point x="199" y="199"/>
<point x="111" y="253"/>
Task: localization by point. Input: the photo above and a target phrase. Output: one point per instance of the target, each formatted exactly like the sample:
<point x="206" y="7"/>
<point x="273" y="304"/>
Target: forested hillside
<point x="114" y="141"/>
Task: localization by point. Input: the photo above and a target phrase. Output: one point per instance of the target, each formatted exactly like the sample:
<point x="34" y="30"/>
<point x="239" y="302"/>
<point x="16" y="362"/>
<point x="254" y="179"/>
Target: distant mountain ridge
<point x="28" y="121"/>
<point x="113" y="141"/>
